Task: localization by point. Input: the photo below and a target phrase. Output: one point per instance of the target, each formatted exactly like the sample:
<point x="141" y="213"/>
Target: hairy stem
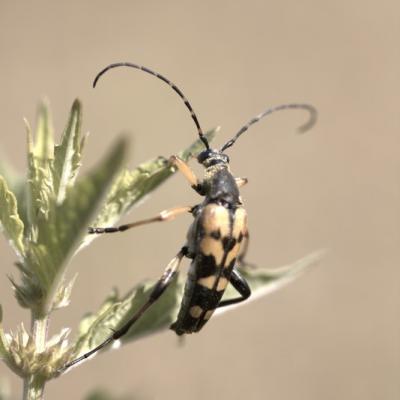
<point x="34" y="385"/>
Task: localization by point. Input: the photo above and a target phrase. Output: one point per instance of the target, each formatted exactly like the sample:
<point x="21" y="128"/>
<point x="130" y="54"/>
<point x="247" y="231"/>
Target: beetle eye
<point x="203" y="156"/>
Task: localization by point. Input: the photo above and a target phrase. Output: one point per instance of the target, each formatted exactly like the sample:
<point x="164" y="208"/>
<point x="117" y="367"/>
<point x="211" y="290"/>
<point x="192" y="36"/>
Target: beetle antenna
<point x="303" y="128"/>
<point x="202" y="137"/>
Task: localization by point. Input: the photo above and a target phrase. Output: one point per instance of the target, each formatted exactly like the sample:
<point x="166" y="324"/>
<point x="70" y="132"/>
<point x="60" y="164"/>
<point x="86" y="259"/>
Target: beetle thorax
<point x="220" y="186"/>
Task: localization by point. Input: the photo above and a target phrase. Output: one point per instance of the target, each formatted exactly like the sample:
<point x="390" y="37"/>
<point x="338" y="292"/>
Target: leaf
<point x="16" y="184"/>
<point x="95" y="328"/>
<point x="264" y="281"/>
<point x="44" y="143"/>
<point x="132" y="186"/>
<point x="40" y="182"/>
<point x="67" y="155"/>
<point x="9" y="218"/>
<point x="62" y="231"/>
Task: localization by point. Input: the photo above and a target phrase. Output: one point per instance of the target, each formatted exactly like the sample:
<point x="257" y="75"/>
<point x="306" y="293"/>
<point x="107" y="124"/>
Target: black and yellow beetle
<point x="217" y="240"/>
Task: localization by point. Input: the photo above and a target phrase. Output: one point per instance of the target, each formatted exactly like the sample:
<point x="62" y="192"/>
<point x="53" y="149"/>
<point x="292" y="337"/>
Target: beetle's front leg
<point x="187" y="173"/>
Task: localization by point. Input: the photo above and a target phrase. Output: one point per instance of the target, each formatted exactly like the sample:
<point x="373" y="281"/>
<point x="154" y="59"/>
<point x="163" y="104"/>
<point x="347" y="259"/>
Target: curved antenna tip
<point x="311" y="121"/>
<point x="303" y="128"/>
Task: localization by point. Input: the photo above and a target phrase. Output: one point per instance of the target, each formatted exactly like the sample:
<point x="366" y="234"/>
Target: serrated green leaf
<point x="16" y="184"/>
<point x="60" y="234"/>
<point x="40" y="182"/>
<point x="132" y="186"/>
<point x="95" y="328"/>
<point x="44" y="140"/>
<point x="9" y="218"/>
<point x="40" y="161"/>
<point x="67" y="155"/>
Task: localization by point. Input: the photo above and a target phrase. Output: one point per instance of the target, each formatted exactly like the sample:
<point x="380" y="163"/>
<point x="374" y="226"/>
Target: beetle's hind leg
<point x="241" y="285"/>
<point x="165" y="215"/>
<point x="170" y="272"/>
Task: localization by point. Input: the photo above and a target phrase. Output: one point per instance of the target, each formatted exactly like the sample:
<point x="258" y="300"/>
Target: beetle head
<point x="211" y="157"/>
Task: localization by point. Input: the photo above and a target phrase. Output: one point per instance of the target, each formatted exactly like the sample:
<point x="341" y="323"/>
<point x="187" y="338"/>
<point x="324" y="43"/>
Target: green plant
<point x="45" y="218"/>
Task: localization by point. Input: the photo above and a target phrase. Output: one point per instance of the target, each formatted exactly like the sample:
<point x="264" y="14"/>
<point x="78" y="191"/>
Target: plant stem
<point x="33" y="388"/>
<point x="34" y="385"/>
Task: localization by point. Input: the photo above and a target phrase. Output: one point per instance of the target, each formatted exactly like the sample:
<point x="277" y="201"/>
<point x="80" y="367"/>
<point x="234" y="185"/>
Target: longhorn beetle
<point x="215" y="237"/>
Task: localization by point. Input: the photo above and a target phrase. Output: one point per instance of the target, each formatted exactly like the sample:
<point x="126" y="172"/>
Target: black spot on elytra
<point x="228" y="243"/>
<point x="205" y="298"/>
<point x="216" y="234"/>
<point x="208" y="266"/>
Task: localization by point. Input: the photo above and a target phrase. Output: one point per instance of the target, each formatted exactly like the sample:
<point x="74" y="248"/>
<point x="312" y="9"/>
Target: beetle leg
<point x="240" y="284"/>
<point x="241" y="182"/>
<point x="158" y="289"/>
<point x="166" y="215"/>
<point x="187" y="172"/>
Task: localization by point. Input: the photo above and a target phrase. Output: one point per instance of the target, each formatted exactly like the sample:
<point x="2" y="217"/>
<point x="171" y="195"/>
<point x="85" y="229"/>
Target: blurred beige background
<point x="334" y="334"/>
